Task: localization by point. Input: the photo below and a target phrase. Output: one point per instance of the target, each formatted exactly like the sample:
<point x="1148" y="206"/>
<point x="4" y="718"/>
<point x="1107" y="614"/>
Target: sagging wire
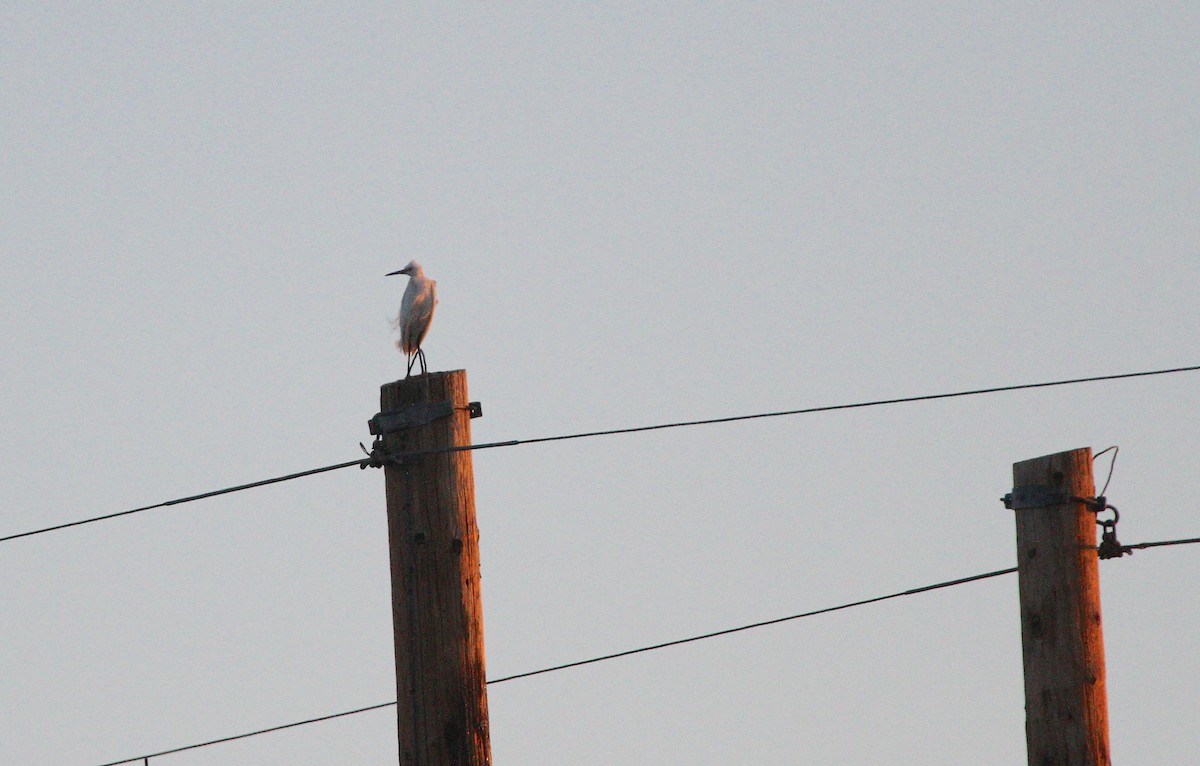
<point x="376" y="458"/>
<point x="603" y="658"/>
<point x="188" y="499"/>
<point x="1111" y="465"/>
<point x="1161" y="543"/>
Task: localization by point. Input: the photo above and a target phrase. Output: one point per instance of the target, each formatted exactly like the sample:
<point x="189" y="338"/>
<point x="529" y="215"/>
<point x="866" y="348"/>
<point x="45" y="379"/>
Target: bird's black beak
<point x="394" y="273"/>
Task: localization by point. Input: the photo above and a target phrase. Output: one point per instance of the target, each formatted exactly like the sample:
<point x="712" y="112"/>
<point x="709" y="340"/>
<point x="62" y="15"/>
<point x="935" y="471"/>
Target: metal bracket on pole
<point x="1035" y="496"/>
<point x="419" y="414"/>
<point x="411" y="416"/>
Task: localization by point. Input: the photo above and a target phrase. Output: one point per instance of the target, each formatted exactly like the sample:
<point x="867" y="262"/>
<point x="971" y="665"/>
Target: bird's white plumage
<point x="416" y="312"/>
<point x="416" y="309"/>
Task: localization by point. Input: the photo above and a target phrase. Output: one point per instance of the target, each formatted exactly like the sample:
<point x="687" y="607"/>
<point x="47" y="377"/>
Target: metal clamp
<point x="377" y="456"/>
<point x="419" y="414"/>
<point x="411" y="416"/>
<point x="1035" y="496"/>
<point x="1110" y="547"/>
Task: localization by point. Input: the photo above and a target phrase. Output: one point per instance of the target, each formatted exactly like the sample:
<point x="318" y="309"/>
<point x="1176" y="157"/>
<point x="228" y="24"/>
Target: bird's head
<point x="413" y="269"/>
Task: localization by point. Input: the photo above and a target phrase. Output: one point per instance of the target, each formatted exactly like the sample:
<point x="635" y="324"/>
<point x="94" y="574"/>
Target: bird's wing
<point x="419" y="300"/>
<point x="416" y="312"/>
<point x="406" y="303"/>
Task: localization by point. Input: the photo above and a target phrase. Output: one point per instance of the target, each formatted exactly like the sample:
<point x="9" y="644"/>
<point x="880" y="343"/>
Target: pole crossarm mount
<point x="415" y="415"/>
<point x="1046" y="496"/>
<point x="1034" y="496"/>
<point x="410" y="416"/>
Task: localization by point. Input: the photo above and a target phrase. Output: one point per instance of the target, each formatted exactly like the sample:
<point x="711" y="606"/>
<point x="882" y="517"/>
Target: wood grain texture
<point x="436" y="606"/>
<point x="1066" y="705"/>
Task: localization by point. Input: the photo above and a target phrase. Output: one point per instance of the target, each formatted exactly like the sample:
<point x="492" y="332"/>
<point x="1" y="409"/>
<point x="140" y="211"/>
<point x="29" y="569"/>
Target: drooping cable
<point x="806" y="410"/>
<point x="182" y="500"/>
<point x="663" y="645"/>
<point x="613" y="432"/>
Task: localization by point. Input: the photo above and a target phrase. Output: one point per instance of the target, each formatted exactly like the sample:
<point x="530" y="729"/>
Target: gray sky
<point x="635" y="216"/>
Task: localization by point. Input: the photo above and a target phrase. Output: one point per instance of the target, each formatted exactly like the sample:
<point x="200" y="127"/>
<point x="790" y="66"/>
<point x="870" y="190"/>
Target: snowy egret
<point x="416" y="312"/>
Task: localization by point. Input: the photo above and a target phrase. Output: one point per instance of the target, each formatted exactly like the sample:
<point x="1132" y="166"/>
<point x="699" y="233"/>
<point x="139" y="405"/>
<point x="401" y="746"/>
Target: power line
<point x="764" y="623"/>
<point x="188" y="499"/>
<point x="615" y="431"/>
<point x="811" y="410"/>
<point x="626" y="653"/>
<point x="251" y="734"/>
<point x="1161" y="543"/>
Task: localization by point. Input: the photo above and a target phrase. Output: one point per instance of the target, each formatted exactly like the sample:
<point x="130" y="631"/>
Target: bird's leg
<point x="421" y="356"/>
<point x="411" y="358"/>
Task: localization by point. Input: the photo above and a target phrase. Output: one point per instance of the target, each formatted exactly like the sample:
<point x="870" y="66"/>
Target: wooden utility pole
<point x="1066" y="705"/>
<point x="436" y="608"/>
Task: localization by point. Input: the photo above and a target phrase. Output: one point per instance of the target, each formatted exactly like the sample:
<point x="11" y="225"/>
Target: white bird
<point x="416" y="312"/>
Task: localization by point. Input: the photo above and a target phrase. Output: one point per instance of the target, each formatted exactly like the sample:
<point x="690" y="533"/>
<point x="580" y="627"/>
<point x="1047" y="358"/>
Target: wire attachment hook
<point x="377" y="456"/>
<point x="1110" y="547"/>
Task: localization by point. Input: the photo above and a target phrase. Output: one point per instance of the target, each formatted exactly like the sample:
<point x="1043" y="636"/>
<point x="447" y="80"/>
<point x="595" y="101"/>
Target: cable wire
<point x="1161" y="543"/>
<point x="615" y="431"/>
<point x="753" y="625"/>
<point x="251" y="734"/>
<point x="181" y="500"/>
<point x="805" y="411"/>
<point x="1111" y="465"/>
<point x="626" y="653"/>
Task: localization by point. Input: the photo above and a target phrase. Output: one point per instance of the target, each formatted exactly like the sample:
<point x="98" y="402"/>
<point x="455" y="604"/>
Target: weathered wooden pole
<point x="1066" y="705"/>
<point x="436" y="607"/>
